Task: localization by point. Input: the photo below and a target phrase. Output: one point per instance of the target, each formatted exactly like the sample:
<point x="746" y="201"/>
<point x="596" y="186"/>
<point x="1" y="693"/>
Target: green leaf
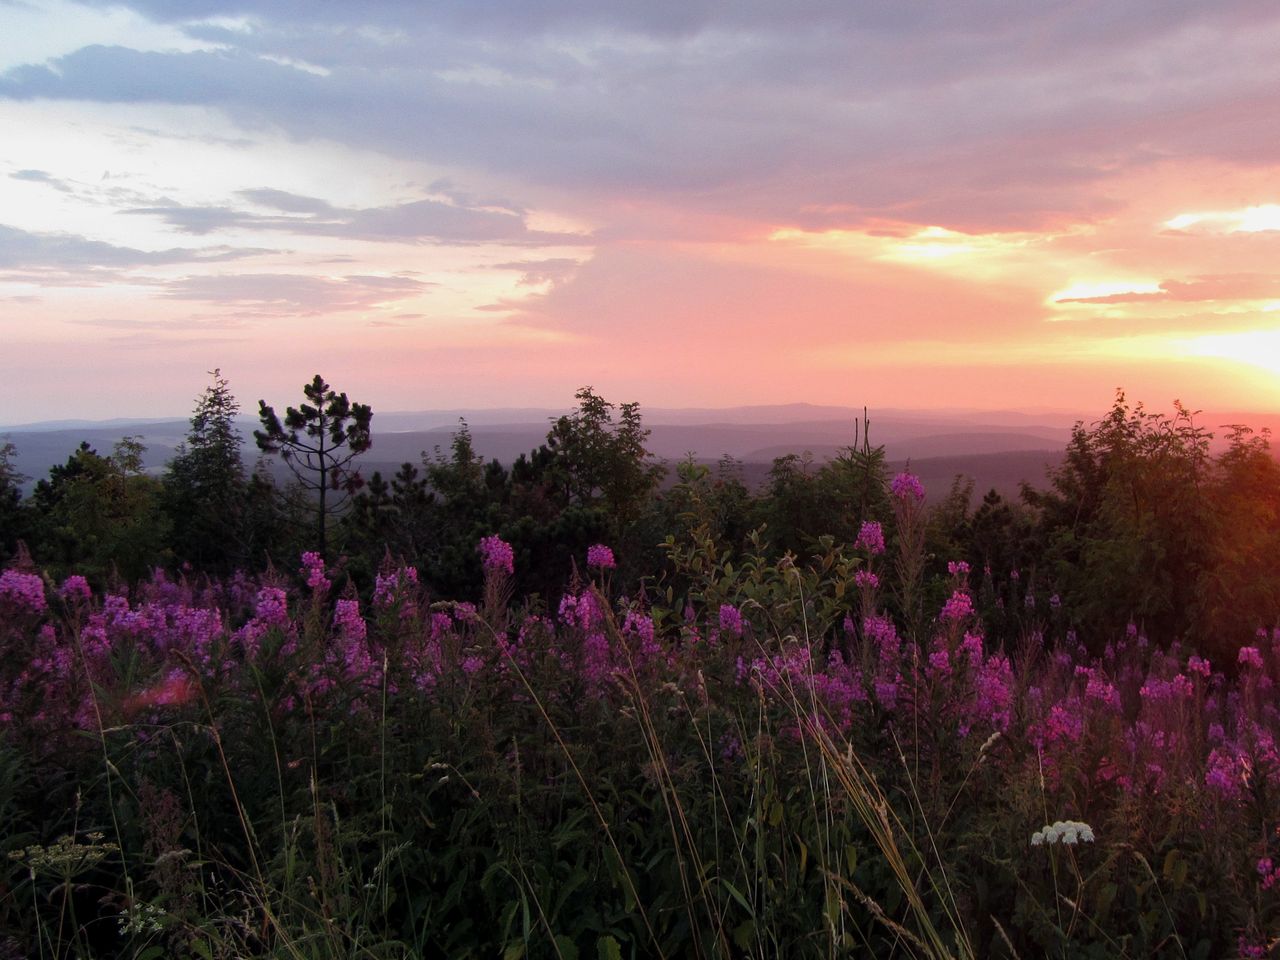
<point x="734" y="892"/>
<point x="201" y="949"/>
<point x="150" y="953"/>
<point x="607" y="948"/>
<point x="515" y="950"/>
<point x="567" y="949"/>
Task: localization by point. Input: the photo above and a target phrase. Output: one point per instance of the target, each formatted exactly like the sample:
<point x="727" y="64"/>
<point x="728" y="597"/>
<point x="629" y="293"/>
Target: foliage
<point x="13" y="518"/>
<point x="318" y="440"/>
<point x="101" y="516"/>
<point x="205" y="485"/>
<point x="752" y="756"/>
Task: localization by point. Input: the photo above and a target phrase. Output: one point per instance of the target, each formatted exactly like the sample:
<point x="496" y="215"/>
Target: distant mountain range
<point x="996" y="448"/>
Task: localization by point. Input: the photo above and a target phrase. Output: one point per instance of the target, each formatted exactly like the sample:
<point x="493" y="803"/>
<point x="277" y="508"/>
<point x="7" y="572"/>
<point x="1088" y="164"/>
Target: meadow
<point x="866" y="746"/>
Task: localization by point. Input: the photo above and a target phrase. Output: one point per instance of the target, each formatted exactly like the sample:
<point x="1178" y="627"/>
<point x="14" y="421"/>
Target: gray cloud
<point x="274" y="294"/>
<point x="418" y="221"/>
<point x="41" y="176"/>
<point x="63" y="257"/>
<point x="535" y="272"/>
<point x="960" y="113"/>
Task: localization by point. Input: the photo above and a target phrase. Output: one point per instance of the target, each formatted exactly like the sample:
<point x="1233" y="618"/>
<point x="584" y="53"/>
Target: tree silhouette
<point x="318" y="440"/>
<point x="205" y="483"/>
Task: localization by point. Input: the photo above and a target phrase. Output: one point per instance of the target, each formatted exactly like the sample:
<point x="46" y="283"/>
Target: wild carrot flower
<point x="1065" y="831"/>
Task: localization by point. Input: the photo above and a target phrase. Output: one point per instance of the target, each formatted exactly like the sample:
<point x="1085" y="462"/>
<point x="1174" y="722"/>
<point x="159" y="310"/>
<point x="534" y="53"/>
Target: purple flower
<point x="390" y="587"/>
<point x="1250" y="657"/>
<point x="496" y="555"/>
<point x="23" y="590"/>
<point x="272" y="607"/>
<point x="906" y="486"/>
<point x="958" y="569"/>
<point x="870" y="538"/>
<point x="730" y="620"/>
<point x="600" y="557"/>
<point x="346" y="617"/>
<point x="959" y="607"/>
<point x="75" y="589"/>
<point x="866" y="580"/>
<point x="313" y="568"/>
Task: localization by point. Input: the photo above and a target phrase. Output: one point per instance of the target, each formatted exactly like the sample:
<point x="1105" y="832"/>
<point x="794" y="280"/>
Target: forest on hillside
<point x="569" y="707"/>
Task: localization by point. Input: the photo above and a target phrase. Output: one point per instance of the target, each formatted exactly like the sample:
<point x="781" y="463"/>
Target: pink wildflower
<point x="870" y="538"/>
<point x="600" y="557"/>
<point x="23" y="590"/>
<point x="958" y="608"/>
<point x="730" y="620"/>
<point x="1250" y="657"/>
<point x="313" y="568"/>
<point x="496" y="555"/>
<point x="75" y="589"/>
<point x="906" y="486"/>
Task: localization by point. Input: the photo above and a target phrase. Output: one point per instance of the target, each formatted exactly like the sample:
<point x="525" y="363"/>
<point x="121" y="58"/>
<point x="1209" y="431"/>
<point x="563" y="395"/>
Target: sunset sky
<point x="474" y="203"/>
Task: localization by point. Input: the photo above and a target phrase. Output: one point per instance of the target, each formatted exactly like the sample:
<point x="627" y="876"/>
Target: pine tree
<point x="205" y="483"/>
<point x="318" y="440"/>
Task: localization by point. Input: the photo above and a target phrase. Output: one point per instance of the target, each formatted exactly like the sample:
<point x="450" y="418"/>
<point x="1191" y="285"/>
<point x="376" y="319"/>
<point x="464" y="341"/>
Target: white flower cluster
<point x="1068" y="831"/>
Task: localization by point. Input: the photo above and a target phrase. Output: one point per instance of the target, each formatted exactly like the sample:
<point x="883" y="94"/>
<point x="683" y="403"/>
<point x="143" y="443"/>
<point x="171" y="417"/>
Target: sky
<point x="482" y="203"/>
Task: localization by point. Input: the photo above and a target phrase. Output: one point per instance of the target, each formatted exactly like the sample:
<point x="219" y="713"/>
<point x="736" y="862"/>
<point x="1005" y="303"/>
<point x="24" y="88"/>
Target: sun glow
<point x="1093" y="289"/>
<point x="1259" y="348"/>
<point x="1254" y="219"/>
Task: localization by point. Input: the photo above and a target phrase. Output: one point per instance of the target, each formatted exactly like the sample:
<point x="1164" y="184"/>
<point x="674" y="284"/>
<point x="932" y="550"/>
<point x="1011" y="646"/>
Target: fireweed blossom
<point x="496" y="555"/>
<point x="730" y="620"/>
<point x="600" y="557"/>
<point x="1250" y="657"/>
<point x="24" y="590"/>
<point x="957" y="609"/>
<point x="870" y="538"/>
<point x="393" y="586"/>
<point x="907" y="486"/>
<point x="313" y="570"/>
<point x="75" y="589"/>
<point x="347" y="620"/>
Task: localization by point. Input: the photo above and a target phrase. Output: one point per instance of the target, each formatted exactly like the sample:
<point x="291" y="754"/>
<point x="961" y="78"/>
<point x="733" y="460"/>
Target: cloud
<point x="41" y="176"/>
<point x="417" y="221"/>
<point x="745" y="109"/>
<point x="275" y="294"/>
<point x="1241" y="286"/>
<point x="538" y="272"/>
<point x="58" y="257"/>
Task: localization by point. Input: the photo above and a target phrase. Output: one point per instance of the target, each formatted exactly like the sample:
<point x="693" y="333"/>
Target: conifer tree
<point x="205" y="483"/>
<point x="318" y="440"/>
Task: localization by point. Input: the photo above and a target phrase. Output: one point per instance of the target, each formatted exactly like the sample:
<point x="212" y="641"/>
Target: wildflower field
<point x="864" y="749"/>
